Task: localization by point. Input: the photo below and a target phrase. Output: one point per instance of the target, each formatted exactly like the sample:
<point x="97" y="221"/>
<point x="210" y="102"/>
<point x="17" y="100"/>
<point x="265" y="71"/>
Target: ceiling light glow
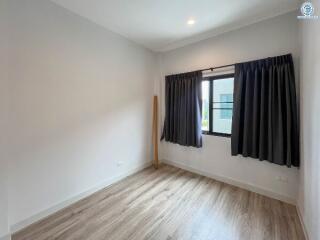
<point x="191" y="21"/>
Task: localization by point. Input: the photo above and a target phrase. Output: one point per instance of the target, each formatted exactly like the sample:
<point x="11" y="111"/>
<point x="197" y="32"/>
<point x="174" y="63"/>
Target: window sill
<point x="216" y="134"/>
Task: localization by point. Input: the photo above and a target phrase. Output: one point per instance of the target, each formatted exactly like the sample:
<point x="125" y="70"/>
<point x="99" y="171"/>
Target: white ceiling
<point x="161" y="25"/>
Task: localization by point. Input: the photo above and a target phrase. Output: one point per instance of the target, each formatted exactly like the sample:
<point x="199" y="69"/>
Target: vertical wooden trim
<point x="155" y="132"/>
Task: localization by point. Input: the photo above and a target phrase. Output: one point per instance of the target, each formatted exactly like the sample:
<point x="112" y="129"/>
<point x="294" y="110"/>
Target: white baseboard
<point x="302" y="223"/>
<point x="43" y="214"/>
<point x="6" y="237"/>
<point x="234" y="182"/>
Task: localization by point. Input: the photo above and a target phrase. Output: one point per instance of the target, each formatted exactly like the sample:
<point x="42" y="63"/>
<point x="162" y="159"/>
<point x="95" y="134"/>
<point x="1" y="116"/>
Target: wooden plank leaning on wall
<point x="155" y="133"/>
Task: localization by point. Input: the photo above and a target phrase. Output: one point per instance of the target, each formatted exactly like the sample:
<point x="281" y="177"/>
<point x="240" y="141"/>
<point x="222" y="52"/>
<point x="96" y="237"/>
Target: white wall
<point x="265" y="39"/>
<point x="3" y="120"/>
<point x="309" y="193"/>
<point x="81" y="103"/>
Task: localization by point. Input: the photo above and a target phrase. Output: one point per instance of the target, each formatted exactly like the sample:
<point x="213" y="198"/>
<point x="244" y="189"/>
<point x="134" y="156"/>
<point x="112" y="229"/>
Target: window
<point x="226" y="100"/>
<point x="217" y="105"/>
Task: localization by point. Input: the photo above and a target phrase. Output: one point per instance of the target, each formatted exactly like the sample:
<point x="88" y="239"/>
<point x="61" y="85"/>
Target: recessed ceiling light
<point x="191" y="21"/>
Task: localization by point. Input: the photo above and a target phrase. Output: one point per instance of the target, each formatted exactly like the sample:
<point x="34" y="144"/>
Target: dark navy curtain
<point x="183" y="103"/>
<point x="265" y="119"/>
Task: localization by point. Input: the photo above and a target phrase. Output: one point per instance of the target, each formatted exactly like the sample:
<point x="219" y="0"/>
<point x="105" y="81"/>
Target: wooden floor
<point x="170" y="203"/>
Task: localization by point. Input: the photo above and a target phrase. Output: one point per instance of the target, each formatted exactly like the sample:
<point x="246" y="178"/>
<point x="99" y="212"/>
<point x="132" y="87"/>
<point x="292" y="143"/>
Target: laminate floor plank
<point x="167" y="204"/>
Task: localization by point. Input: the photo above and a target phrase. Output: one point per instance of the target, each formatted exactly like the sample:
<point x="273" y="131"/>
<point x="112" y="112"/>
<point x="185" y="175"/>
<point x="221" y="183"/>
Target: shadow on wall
<point x="72" y="154"/>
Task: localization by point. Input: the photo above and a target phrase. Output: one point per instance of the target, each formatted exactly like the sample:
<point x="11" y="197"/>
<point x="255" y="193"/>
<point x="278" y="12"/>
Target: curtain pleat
<point x="265" y="120"/>
<point x="183" y="109"/>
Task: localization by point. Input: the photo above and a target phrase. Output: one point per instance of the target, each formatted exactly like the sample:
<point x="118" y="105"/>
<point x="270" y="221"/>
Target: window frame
<point x="211" y="79"/>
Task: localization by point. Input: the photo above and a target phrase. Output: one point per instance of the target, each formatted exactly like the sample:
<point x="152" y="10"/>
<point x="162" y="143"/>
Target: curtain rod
<point x="206" y="69"/>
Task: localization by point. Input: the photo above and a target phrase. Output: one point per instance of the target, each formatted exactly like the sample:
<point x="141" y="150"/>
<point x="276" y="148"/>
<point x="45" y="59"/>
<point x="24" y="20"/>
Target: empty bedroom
<point x="159" y="120"/>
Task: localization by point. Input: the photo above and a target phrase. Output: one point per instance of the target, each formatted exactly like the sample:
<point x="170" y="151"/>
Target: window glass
<point x="205" y="106"/>
<point x="221" y="107"/>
